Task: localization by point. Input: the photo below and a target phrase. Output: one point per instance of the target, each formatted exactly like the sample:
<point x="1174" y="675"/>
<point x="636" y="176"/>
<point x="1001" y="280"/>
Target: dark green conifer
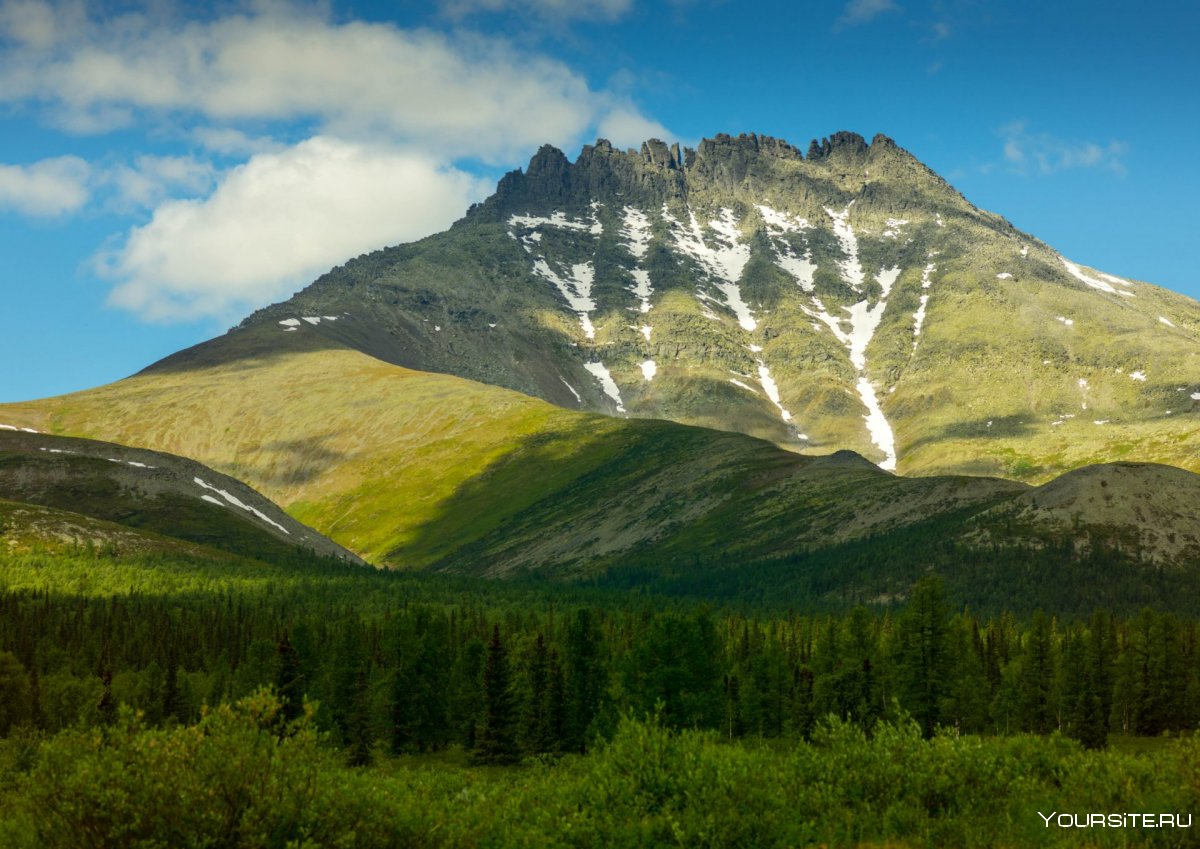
<point x="496" y="741"/>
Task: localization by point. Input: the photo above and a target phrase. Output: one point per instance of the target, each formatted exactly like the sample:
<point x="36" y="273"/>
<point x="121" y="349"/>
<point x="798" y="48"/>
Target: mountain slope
<point x="847" y="298"/>
<point x="423" y="470"/>
<point x="147" y="492"/>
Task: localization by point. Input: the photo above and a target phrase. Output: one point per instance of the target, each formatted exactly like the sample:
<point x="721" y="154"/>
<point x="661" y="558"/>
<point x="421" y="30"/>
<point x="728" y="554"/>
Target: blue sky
<point x="166" y="167"/>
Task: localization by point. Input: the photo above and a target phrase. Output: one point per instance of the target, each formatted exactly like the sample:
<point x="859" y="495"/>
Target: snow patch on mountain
<point x="574" y="286"/>
<point x="609" y="385"/>
<point x="1164" y="320"/>
<point x="723" y="261"/>
<point x="236" y="502"/>
<point x="572" y="388"/>
<point x="801" y="268"/>
<point x="863" y="318"/>
<point x="892" y="227"/>
<point x="557" y="219"/>
<point x="1079" y="274"/>
<point x="769" y="386"/>
<point x="850" y="267"/>
<point x="576" y="289"/>
<point x="779" y="222"/>
<point x="649" y="369"/>
<point x="1138" y="375"/>
<point x="636" y="233"/>
<point x="919" y="315"/>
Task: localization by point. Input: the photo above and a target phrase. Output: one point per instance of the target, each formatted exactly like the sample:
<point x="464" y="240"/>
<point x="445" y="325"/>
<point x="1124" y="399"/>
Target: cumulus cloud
<point x="1028" y="152"/>
<point x="464" y="95"/>
<point x="275" y="223"/>
<point x="626" y="127"/>
<point x="864" y="11"/>
<point x="46" y="189"/>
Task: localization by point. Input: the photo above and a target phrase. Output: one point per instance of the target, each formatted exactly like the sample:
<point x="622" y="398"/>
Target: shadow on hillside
<point x="994" y="428"/>
<point x="301" y="461"/>
<point x="537" y="475"/>
<point x="562" y="483"/>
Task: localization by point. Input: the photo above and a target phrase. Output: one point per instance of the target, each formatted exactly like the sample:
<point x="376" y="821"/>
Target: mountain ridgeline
<point x="844" y="299"/>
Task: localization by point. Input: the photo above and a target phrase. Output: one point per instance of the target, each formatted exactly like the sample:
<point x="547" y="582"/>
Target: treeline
<point x="509" y="681"/>
<point x="1013" y="572"/>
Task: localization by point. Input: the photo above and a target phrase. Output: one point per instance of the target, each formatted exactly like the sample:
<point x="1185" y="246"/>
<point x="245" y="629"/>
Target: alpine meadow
<point x="721" y="492"/>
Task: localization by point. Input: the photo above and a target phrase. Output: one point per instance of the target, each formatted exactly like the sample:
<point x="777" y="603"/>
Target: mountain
<point x="847" y="298"/>
<point x="100" y="494"/>
<point x="758" y="315"/>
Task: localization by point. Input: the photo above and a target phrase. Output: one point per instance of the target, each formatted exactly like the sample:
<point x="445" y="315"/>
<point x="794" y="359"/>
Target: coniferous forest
<point x="311" y="705"/>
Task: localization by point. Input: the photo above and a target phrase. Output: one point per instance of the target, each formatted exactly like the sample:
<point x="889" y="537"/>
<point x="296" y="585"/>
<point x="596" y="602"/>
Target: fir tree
<point x="289" y="680"/>
<point x="496" y="741"/>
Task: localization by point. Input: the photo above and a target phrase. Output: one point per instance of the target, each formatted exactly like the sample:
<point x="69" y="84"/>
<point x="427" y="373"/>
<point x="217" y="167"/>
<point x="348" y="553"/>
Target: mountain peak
<point x="725" y="168"/>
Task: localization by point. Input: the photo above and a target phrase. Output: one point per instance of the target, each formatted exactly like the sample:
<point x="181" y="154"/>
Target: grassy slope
<point x="417" y="469"/>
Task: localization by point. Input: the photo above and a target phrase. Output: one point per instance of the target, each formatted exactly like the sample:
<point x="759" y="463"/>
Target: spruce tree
<point x="289" y="680"/>
<point x="535" y="719"/>
<point x="586" y="679"/>
<point x="922" y="662"/>
<point x="496" y="741"/>
<point x="1039" y="673"/>
<point x="14" y="693"/>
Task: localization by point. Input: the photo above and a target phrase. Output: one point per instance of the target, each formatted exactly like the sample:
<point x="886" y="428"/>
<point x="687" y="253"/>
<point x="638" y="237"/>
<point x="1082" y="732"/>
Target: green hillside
<point x="427" y="471"/>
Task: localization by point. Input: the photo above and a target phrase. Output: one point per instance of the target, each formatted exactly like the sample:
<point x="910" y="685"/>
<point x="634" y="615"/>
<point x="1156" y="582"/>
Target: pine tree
<point x="556" y="706"/>
<point x="1039" y="673"/>
<point x="289" y="680"/>
<point x="107" y="706"/>
<point x="14" y="693"/>
<point x="586" y="679"/>
<point x="535" y="715"/>
<point x="922" y="661"/>
<point x="172" y="700"/>
<point x="496" y="741"/>
<point x="358" y="730"/>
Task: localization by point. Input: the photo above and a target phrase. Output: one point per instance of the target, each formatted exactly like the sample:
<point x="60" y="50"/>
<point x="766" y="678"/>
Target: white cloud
<point x="276" y="222"/>
<point x="626" y="127"/>
<point x="609" y="10"/>
<point x="230" y="142"/>
<point x="152" y="179"/>
<point x="37" y="24"/>
<point x="462" y="95"/>
<point x="388" y="111"/>
<point x="864" y="11"/>
<point x="1029" y="152"/>
<point x="48" y="188"/>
